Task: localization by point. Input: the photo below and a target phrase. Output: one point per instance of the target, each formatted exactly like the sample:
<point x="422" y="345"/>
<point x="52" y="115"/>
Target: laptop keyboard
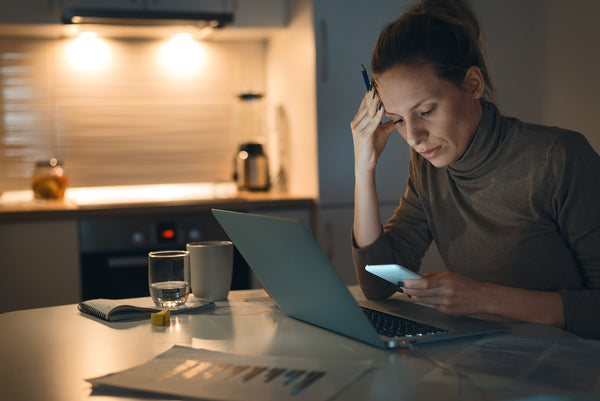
<point x="395" y="326"/>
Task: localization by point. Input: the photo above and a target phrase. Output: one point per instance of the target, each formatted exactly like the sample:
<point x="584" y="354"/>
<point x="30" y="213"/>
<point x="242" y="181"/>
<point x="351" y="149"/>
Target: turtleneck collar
<point x="479" y="157"/>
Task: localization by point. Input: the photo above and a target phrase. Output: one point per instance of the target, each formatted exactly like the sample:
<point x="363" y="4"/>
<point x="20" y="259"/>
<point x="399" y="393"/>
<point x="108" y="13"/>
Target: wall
<point x="130" y="120"/>
<point x="292" y="95"/>
<point x="544" y="57"/>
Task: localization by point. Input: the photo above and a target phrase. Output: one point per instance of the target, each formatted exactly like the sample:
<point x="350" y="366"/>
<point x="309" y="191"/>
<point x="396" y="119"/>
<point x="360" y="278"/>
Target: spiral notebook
<point x="113" y="310"/>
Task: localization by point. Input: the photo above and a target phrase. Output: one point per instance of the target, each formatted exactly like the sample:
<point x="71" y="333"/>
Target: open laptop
<point x="298" y="276"/>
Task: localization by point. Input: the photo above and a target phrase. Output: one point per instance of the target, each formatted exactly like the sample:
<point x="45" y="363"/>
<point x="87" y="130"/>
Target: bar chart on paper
<point x="297" y="380"/>
<point x="190" y="372"/>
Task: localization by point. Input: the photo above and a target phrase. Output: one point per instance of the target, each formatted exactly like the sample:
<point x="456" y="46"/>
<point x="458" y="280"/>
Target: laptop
<point x="298" y="276"/>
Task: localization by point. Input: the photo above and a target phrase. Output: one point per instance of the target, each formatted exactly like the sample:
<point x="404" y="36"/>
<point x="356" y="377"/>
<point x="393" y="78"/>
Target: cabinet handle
<point x="324" y="40"/>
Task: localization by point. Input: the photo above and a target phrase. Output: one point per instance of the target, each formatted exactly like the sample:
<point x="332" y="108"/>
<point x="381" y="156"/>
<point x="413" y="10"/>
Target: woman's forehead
<point x="404" y="87"/>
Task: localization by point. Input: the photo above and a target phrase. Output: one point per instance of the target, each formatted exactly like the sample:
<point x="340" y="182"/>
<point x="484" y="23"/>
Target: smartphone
<point x="392" y="273"/>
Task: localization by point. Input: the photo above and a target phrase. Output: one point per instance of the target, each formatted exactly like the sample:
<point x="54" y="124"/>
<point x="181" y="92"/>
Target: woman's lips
<point x="431" y="153"/>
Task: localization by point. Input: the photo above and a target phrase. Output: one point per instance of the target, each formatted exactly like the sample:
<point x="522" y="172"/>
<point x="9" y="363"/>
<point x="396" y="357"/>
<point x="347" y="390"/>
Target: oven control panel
<point x="132" y="233"/>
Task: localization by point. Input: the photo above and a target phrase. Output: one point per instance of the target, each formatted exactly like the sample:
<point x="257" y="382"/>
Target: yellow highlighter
<point x="162" y="318"/>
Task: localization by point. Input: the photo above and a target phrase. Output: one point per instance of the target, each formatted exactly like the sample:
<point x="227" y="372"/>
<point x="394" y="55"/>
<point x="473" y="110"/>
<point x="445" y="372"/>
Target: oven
<point x="114" y="249"/>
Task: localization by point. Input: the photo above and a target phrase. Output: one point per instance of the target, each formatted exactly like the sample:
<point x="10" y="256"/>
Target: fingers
<point x="448" y="292"/>
<point x="369" y="135"/>
<point x="388" y="127"/>
<point x="374" y="122"/>
<point x="429" y="289"/>
<point x="365" y="105"/>
<point x="369" y="110"/>
<point x="428" y="281"/>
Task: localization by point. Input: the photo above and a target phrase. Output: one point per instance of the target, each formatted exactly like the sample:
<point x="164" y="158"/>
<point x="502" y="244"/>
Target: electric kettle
<point x="251" y="170"/>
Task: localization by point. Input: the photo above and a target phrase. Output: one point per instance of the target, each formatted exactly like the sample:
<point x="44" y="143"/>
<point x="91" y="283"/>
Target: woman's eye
<point x="400" y="121"/>
<point x="427" y="112"/>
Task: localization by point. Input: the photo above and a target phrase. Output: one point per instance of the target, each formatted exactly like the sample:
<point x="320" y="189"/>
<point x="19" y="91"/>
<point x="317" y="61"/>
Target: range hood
<point x="144" y="17"/>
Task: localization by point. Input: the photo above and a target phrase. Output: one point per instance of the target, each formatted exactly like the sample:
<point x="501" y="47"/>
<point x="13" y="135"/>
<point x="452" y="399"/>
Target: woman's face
<point x="436" y="117"/>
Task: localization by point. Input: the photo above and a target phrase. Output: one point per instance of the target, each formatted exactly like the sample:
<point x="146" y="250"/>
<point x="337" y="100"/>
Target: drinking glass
<point x="168" y="277"/>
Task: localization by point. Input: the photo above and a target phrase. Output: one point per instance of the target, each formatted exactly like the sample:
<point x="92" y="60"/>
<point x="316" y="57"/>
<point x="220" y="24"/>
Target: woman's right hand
<point x="369" y="135"/>
<point x="370" y="138"/>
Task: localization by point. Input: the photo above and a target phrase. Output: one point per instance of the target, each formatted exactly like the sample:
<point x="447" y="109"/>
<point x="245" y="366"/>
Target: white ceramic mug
<point x="211" y="268"/>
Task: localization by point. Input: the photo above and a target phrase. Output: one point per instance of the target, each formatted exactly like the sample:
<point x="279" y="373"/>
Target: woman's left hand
<point x="448" y="292"/>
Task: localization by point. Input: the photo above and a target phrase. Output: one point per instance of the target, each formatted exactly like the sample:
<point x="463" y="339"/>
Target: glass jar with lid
<point x="49" y="180"/>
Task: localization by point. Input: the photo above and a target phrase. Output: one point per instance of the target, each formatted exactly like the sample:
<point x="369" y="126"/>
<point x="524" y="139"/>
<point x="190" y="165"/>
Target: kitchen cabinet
<point x="261" y="14"/>
<point x="58" y="253"/>
<point x="335" y="228"/>
<point x="39" y="264"/>
<point x="30" y="12"/>
<point x="247" y="14"/>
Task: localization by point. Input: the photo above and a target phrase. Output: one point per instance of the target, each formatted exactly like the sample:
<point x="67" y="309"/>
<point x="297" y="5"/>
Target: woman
<point x="513" y="207"/>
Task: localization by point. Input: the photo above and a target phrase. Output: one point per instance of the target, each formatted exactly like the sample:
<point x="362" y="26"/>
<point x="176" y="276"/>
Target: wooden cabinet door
<point x="39" y="264"/>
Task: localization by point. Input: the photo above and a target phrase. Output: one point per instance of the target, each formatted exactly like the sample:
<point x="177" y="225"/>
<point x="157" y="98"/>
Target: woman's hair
<point x="441" y="33"/>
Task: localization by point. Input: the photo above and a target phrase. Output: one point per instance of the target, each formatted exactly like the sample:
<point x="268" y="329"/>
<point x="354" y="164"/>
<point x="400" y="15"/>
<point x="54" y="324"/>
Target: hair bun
<point x="454" y="12"/>
<point x="442" y="33"/>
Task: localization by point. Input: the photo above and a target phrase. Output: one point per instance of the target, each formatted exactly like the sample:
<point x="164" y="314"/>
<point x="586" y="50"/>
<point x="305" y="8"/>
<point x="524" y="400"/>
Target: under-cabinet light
<point x="182" y="55"/>
<point x="77" y="15"/>
<point x="88" y="53"/>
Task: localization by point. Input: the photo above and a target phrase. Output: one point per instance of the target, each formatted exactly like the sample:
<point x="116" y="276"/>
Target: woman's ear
<point x="474" y="82"/>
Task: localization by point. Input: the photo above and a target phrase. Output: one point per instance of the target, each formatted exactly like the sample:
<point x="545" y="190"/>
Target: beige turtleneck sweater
<point x="520" y="208"/>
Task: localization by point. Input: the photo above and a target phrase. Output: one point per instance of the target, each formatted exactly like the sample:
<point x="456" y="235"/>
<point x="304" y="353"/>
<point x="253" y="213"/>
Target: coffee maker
<point x="251" y="170"/>
<point x="251" y="166"/>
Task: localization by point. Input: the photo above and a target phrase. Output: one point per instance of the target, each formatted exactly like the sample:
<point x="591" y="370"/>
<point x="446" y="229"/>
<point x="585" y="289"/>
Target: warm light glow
<point x="87" y="53"/>
<point x="175" y="324"/>
<point x="182" y="55"/>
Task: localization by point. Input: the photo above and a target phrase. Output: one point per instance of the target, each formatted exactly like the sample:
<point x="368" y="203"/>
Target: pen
<point x="365" y="77"/>
<point x="367" y="82"/>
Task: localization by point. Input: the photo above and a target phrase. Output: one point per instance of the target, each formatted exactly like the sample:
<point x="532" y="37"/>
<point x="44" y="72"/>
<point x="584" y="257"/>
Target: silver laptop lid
<point x="296" y="273"/>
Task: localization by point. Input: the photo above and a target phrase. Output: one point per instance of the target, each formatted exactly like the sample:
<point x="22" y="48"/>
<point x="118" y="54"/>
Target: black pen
<point x="368" y="83"/>
<point x="365" y="77"/>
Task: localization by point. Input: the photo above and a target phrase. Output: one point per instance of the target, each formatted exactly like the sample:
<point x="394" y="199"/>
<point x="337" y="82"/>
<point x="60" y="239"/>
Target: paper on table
<point x="568" y="367"/>
<point x="204" y="374"/>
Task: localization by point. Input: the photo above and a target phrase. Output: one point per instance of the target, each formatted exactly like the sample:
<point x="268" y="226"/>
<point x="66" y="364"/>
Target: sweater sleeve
<point x="575" y="166"/>
<point x="379" y="252"/>
<point x="403" y="240"/>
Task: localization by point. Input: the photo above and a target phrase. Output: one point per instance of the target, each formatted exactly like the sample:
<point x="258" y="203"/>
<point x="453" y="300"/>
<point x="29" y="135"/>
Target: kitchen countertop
<point x="143" y="199"/>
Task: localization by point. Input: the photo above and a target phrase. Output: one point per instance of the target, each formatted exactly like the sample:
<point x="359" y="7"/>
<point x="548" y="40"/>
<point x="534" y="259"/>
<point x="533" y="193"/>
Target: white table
<point x="47" y="353"/>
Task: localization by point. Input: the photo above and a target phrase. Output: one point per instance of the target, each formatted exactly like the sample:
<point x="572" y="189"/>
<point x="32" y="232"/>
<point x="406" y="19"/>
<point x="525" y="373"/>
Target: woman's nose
<point x="414" y="134"/>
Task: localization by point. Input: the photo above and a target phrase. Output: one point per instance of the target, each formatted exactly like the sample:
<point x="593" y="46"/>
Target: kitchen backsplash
<point x="121" y="114"/>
